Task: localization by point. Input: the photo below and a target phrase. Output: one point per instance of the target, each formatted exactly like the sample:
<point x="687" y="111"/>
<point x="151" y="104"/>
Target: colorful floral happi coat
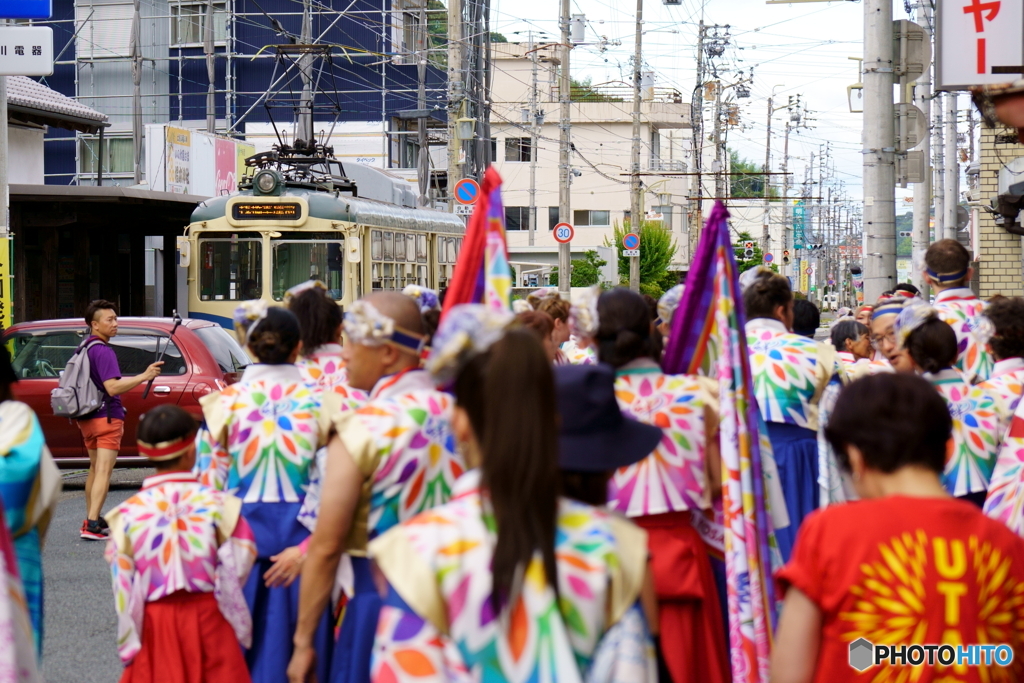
<point x="325" y="369"/>
<point x="1005" y="386"/>
<point x="440" y="562"/>
<point x="29" y="487"/>
<point x="260" y="435"/>
<point x="402" y="443"/>
<point x="975" y="424"/>
<point x="960" y="308"/>
<point x="178" y="535"/>
<point x="575" y="355"/>
<point x="1005" y="500"/>
<point x="790" y="372"/>
<point x="672" y="478"/>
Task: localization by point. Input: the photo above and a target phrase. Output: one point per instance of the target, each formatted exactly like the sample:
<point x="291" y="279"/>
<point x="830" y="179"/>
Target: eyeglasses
<point x="878" y="340"/>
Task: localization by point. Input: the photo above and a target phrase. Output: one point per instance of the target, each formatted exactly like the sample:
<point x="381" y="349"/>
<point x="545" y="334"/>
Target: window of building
<point x="591" y="219"/>
<point x="517" y="218"/>
<point x="517" y="149"/>
<point x="118" y="156"/>
<point x="103" y="30"/>
<point x="188" y="23"/>
<point x="552" y="217"/>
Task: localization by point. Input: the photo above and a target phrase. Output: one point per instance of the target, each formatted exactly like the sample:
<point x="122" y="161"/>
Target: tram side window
<point x="394" y="261"/>
<point x="308" y="256"/>
<point x="231" y="268"/>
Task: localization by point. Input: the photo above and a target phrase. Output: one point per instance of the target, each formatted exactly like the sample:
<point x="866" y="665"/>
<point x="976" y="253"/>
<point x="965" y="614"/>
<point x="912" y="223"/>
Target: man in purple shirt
<point x="102" y="429"/>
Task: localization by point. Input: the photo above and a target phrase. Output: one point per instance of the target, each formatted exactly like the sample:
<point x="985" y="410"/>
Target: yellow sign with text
<point x="6" y="282"/>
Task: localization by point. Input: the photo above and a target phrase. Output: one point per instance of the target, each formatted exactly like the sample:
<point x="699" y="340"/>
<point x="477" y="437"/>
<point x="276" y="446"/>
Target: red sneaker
<point x="92" y="531"/>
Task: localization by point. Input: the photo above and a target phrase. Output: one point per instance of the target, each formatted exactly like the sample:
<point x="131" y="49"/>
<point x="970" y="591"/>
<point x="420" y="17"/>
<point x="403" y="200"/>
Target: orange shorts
<point x="98" y="433"/>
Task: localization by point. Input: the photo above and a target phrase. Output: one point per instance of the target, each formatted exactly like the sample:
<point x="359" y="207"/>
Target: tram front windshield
<point x="298" y="257"/>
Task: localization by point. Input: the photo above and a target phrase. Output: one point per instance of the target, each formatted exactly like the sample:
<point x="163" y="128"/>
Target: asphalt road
<point x="80" y="632"/>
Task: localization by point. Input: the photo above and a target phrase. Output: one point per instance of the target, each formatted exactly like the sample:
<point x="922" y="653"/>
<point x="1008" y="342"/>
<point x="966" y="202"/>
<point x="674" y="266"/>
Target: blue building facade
<point x="371" y="73"/>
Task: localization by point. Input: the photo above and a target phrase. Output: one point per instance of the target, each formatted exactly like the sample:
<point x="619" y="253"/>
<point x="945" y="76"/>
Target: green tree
<point x="745" y="264"/>
<point x="583" y="91"/>
<point x="656" y="250"/>
<point x="586" y="272"/>
<point x="498" y="38"/>
<point x="751" y="183"/>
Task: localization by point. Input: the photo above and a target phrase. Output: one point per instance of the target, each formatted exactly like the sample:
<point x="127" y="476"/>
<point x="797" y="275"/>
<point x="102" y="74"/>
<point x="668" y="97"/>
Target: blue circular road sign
<point x="466" y="191"/>
<point x="631" y="240"/>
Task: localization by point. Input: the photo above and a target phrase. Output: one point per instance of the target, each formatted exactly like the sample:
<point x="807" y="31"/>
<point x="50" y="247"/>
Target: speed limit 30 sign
<point x="564" y="233"/>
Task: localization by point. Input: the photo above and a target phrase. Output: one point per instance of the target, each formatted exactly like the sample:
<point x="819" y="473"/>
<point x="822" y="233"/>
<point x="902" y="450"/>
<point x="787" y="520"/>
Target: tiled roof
<point x="24" y="92"/>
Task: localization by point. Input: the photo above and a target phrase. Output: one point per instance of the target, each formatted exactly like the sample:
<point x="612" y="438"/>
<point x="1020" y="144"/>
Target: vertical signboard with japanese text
<point x="179" y="160"/>
<point x="978" y="42"/>
<point x="805" y="285"/>
<point x="798" y="225"/>
<point x="6" y="284"/>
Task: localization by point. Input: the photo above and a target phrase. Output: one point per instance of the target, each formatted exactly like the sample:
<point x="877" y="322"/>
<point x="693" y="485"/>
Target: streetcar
<point x="298" y="216"/>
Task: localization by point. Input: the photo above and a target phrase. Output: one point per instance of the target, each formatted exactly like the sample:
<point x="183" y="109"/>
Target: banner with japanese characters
<point x="978" y="42"/>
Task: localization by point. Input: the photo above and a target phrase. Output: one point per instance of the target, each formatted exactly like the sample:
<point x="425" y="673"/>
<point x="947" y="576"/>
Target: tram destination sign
<point x="266" y="211"/>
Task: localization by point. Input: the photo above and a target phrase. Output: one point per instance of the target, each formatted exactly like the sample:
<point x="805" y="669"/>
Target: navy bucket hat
<point x="595" y="436"/>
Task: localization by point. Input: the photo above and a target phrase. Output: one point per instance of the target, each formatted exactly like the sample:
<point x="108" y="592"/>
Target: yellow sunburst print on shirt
<point x="915" y="571"/>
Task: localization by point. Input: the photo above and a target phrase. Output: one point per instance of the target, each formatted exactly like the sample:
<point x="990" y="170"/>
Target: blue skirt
<point x="275" y="611"/>
<point x="350" y="662"/>
<point x="796" y="455"/>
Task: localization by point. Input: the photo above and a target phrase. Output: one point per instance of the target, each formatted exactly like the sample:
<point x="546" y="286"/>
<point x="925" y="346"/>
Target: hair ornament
<point x="583" y="319"/>
<point x="367" y="326"/>
<point x="303" y="287"/>
<point x="669" y="302"/>
<point x="247" y="315"/>
<point x="749" y="277"/>
<point x="914" y="313"/>
<point x="984" y="329"/>
<point x="521" y="306"/>
<point x="538" y="295"/>
<point x="425" y="298"/>
<point x="466" y="331"/>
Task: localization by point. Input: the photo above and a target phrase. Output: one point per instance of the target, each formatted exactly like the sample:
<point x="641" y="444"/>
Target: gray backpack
<point x="76" y="394"/>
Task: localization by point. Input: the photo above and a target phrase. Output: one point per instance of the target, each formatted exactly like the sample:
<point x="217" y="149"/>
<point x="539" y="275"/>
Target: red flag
<point x="468" y="279"/>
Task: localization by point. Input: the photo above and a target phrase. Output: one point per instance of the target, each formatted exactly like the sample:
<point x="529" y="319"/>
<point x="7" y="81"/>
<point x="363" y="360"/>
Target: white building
<point x="601" y="135"/>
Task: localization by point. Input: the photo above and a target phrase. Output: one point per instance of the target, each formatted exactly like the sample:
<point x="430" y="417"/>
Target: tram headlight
<point x="266" y="181"/>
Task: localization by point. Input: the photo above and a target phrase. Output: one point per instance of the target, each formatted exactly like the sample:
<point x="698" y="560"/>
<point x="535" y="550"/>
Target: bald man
<point x="388" y="461"/>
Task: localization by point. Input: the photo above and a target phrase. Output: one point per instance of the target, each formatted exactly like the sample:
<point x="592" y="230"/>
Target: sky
<point x="793" y="49"/>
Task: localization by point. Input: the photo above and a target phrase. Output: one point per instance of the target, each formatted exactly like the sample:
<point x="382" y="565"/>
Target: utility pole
<point x="879" y="140"/>
<point x="635" y="189"/>
<point x="208" y="51"/>
<point x="456" y="94"/>
<point x="923" y="191"/>
<point x="786" y="223"/>
<point x="697" y="122"/>
<point x="564" y="123"/>
<point x="939" y="176"/>
<point x="423" y="159"/>
<point x="304" y="127"/>
<point x="720" y="188"/>
<point x="765" y="234"/>
<point x="951" y="187"/>
<point x="136" y="54"/>
<point x="534" y="134"/>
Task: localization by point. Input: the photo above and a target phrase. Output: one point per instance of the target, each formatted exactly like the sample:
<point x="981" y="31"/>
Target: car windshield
<point x="42" y="353"/>
<point x="226" y="351"/>
<point x="45" y="353"/>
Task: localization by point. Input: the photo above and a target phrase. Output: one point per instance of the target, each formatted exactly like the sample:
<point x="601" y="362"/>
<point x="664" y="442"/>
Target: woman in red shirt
<point x="907" y="564"/>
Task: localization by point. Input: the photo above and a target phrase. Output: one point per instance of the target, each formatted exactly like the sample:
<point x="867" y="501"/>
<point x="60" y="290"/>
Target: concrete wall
<point x="999" y="252"/>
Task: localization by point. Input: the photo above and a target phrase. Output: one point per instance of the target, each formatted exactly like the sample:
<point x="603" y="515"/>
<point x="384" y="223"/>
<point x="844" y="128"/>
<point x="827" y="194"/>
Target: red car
<point x="202" y="357"/>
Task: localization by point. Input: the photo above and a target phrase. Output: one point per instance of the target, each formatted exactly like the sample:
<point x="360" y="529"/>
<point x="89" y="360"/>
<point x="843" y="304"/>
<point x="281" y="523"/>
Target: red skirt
<point x="185" y="639"/>
<point x="690" y="619"/>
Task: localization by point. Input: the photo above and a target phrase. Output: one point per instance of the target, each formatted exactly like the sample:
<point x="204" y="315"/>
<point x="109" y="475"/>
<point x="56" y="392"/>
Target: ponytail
<point x="624" y="330"/>
<point x="509" y="395"/>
